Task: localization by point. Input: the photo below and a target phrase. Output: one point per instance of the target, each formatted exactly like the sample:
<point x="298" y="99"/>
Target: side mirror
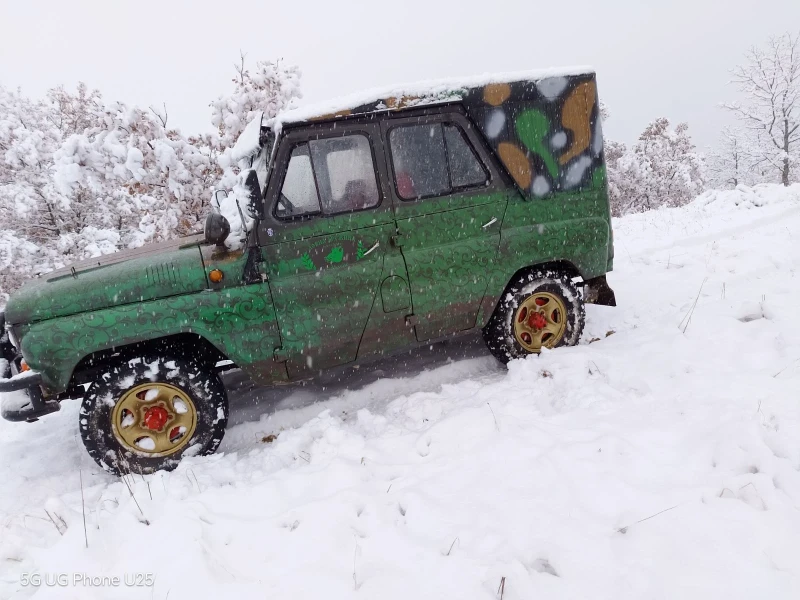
<point x="253" y="188"/>
<point x="217" y="228"/>
<point x="219" y="196"/>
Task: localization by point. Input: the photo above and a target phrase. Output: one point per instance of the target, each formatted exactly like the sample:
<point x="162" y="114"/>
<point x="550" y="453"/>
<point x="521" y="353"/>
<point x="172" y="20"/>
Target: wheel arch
<point x="179" y="345"/>
<point x="490" y="302"/>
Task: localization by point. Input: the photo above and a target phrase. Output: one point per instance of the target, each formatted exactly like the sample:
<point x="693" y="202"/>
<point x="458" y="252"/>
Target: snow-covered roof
<point x="414" y="94"/>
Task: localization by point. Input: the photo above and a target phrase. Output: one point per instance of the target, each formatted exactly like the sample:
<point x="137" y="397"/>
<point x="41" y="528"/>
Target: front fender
<point x="240" y="322"/>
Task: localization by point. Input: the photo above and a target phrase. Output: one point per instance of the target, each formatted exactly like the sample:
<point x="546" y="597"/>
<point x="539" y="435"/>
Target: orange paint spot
<point x="496" y="93"/>
<point x="576" y="116"/>
<point x="516" y="162"/>
<point x="400" y="101"/>
<point x="340" y="113"/>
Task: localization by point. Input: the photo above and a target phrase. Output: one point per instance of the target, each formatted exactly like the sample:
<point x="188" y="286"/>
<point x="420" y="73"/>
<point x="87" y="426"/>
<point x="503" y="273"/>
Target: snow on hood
<point x="427" y="92"/>
<point x="248" y="142"/>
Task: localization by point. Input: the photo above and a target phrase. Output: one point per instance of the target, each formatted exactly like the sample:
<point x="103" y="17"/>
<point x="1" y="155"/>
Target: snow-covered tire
<point x="499" y="331"/>
<point x="176" y="378"/>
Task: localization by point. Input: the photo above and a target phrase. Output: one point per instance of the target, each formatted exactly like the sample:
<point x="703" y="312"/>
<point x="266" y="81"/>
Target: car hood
<point x="154" y="271"/>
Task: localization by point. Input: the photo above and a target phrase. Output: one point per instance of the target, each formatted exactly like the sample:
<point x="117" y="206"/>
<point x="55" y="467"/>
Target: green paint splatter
<point x="307" y="262"/>
<point x="532" y="129"/>
<point x="599" y="178"/>
<point x="335" y="255"/>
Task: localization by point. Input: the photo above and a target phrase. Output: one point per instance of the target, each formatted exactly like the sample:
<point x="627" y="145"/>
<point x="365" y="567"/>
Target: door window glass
<point x="345" y="173"/>
<point x="465" y="168"/>
<point x="420" y="162"/>
<point x="433" y="160"/>
<point x="329" y="176"/>
<point x="299" y="192"/>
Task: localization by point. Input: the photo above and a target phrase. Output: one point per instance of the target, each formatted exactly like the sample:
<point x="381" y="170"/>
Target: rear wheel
<point x="539" y="309"/>
<point x="143" y="415"/>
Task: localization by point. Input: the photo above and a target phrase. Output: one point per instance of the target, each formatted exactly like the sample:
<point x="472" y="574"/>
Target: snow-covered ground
<point x="658" y="459"/>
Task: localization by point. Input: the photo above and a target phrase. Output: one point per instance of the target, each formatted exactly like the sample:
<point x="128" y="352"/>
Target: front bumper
<point x="20" y="392"/>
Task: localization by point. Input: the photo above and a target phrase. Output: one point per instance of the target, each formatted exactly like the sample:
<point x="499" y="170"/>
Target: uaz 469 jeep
<point x="396" y="220"/>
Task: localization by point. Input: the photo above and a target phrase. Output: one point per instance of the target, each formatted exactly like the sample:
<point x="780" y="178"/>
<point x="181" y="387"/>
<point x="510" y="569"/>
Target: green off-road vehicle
<point x="379" y="224"/>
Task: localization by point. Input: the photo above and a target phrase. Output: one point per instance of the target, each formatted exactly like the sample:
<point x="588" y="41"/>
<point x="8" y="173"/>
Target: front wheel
<point x="539" y="309"/>
<point x="145" y="414"/>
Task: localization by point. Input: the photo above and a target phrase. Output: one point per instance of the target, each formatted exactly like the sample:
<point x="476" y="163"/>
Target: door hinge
<point x="397" y="240"/>
<point x="412" y="320"/>
<point x="280" y="355"/>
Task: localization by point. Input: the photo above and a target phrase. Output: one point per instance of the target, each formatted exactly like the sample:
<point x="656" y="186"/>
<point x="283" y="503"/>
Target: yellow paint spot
<point x="341" y="113"/>
<point x="575" y="116"/>
<point x="516" y="162"/>
<point x="396" y="102"/>
<point x="496" y="93"/>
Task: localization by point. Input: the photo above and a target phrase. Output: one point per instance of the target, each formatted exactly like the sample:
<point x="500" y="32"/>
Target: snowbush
<point x="80" y="177"/>
<point x="744" y="196"/>
<point x="661" y="169"/>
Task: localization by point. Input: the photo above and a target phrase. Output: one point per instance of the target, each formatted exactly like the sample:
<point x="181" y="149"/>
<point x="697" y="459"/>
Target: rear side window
<point x="465" y="168"/>
<point x="329" y="176"/>
<point x="420" y="161"/>
<point x="433" y="160"/>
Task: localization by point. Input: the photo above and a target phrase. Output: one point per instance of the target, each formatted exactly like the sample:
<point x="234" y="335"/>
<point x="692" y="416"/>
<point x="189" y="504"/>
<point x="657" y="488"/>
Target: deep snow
<point x="658" y="459"/>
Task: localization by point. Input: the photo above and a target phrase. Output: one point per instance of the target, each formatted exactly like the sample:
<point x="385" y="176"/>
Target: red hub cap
<point x="537" y="321"/>
<point x="155" y="418"/>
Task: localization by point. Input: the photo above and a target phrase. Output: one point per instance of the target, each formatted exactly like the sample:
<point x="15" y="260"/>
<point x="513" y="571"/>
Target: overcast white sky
<point x="653" y="58"/>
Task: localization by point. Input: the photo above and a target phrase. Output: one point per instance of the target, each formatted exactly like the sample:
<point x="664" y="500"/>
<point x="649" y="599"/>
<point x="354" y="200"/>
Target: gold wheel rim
<point x="154" y="419"/>
<point x="540" y="321"/>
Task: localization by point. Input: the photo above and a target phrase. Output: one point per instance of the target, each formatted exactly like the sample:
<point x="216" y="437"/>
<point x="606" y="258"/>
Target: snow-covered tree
<point x="263" y="92"/>
<point x="661" y="169"/>
<point x="730" y="162"/>
<point x="81" y="177"/>
<point x="75" y="112"/>
<point x="770" y="82"/>
<point x="145" y="179"/>
<point x="268" y="89"/>
<point x="29" y="202"/>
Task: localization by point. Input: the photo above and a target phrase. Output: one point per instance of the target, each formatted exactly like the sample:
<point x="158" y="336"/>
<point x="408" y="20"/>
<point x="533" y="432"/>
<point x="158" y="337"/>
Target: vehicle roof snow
<point x="419" y="94"/>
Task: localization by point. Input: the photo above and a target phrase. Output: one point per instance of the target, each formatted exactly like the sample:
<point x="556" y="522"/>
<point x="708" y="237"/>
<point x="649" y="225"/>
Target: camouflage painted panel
<point x="547" y="133"/>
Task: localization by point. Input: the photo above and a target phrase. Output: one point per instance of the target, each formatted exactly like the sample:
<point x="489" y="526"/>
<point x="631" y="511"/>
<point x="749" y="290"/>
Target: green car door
<point x="323" y="242"/>
<point x="449" y="203"/>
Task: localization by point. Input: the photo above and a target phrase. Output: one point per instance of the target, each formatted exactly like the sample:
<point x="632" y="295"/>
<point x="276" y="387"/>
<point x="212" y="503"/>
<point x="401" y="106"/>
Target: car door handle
<point x="373" y="248"/>
<point x="492" y="222"/>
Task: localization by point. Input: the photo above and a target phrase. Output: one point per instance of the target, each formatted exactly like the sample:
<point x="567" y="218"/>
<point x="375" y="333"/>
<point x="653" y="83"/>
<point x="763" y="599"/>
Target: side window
<point x="299" y="194"/>
<point x="345" y="173"/>
<point x="433" y="160"/>
<point x="329" y="176"/>
<point x="420" y="162"/>
<point x="465" y="168"/>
